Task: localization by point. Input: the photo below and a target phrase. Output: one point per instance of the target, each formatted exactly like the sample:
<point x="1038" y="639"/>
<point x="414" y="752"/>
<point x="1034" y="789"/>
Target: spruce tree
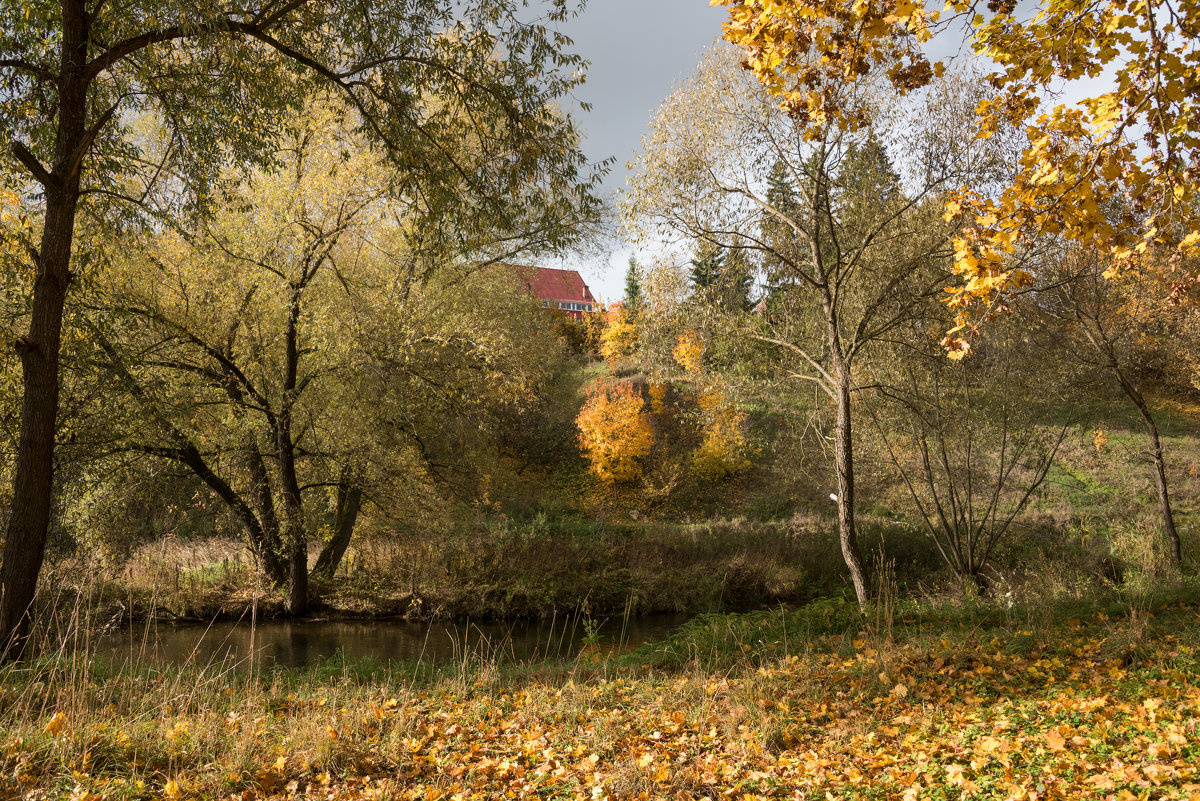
<point x="707" y="265"/>
<point x="633" y="287"/>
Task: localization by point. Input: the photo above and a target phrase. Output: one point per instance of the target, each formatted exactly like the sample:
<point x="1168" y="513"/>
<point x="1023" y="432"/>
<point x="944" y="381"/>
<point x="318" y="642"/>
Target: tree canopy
<point x="1136" y="140"/>
<point x="462" y="98"/>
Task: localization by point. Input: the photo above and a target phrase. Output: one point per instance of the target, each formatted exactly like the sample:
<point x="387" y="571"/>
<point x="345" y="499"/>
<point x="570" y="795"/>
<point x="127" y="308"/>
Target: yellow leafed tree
<point x="724" y="448"/>
<point x="619" y="337"/>
<point x="614" y="431"/>
<point x="689" y="352"/>
<point x="1137" y="141"/>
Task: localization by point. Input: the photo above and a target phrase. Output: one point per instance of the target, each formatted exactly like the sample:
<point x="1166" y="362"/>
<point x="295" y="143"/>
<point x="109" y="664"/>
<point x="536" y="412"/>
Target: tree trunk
<point x="348" y="506"/>
<point x="844" y="457"/>
<point x="1164" y="504"/>
<point x="1160" y="472"/>
<point x="269" y="546"/>
<point x="297" y="597"/>
<point x="293" y="523"/>
<point x="293" y="505"/>
<point x="1160" y="481"/>
<point x="29" y="521"/>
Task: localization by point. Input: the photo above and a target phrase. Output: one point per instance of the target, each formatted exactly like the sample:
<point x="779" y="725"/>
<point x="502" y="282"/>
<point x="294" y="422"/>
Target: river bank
<point x="503" y="570"/>
<point x="990" y="701"/>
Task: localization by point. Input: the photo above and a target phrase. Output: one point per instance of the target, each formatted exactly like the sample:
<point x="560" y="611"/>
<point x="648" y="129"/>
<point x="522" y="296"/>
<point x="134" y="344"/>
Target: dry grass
<point x="732" y="706"/>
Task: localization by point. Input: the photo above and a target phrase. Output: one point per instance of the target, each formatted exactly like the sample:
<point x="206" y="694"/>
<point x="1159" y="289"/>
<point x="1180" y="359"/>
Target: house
<point x="563" y="290"/>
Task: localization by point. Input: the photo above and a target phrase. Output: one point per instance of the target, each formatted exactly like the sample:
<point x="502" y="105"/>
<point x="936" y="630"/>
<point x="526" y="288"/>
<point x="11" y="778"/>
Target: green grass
<point x="912" y="697"/>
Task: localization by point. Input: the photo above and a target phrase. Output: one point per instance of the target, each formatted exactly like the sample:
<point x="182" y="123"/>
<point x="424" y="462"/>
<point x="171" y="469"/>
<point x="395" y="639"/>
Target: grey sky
<point x="639" y="50"/>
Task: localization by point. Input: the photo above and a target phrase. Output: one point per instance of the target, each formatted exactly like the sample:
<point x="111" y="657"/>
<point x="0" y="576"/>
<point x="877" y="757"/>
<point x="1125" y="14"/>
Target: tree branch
<point x="22" y="154"/>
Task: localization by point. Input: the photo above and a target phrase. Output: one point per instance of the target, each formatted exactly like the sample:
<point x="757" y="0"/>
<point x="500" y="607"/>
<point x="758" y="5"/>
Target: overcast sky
<point x="639" y="50"/>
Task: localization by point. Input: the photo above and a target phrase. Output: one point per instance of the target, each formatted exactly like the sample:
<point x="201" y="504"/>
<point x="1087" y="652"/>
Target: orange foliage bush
<point x="619" y="337"/>
<point x="614" y="431"/>
<point x="724" y="449"/>
<point x="689" y="352"/>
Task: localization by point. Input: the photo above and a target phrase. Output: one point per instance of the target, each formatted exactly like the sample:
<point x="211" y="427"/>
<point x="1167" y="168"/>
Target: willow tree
<point x="224" y="79"/>
<point x="865" y="248"/>
<point x="297" y="344"/>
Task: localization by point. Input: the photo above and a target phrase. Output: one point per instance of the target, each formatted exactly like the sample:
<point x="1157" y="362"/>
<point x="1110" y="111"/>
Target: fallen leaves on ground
<point x="1095" y="710"/>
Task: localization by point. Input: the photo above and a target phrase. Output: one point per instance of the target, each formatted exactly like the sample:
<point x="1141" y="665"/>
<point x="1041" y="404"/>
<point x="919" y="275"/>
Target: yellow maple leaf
<point x="55" y="724"/>
<point x="1055" y="741"/>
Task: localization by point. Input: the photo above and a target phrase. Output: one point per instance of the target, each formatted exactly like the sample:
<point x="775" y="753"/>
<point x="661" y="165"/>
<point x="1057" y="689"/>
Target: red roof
<point x="559" y="285"/>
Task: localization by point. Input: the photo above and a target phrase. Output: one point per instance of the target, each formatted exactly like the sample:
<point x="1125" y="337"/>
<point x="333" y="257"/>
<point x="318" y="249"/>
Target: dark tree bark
<point x="25" y="541"/>
<point x="349" y="504"/>
<point x="271" y="541"/>
<point x="294" y="536"/>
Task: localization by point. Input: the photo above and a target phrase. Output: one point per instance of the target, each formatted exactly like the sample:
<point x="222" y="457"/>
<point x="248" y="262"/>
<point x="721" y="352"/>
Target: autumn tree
<point x="614" y="431"/>
<point x="223" y="80"/>
<point x="292" y="345"/>
<point x="620" y="335"/>
<point x="724" y="448"/>
<point x="866" y="249"/>
<point x="1137" y="140"/>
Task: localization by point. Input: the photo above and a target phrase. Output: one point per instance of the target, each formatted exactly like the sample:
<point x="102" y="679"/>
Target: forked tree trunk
<point x="294" y="536"/>
<point x="349" y="503"/>
<point x="29" y="520"/>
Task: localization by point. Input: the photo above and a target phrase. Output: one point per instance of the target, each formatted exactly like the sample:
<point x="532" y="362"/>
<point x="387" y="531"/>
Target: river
<point x="303" y="643"/>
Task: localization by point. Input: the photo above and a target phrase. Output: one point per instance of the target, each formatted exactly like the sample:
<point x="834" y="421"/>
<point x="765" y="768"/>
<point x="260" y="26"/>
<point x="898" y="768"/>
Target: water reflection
<point x="301" y="643"/>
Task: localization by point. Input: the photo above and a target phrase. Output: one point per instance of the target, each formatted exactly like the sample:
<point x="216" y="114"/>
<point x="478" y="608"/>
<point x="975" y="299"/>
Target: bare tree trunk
<point x="29" y="521"/>
<point x="1156" y="455"/>
<point x="844" y="458"/>
<point x="349" y="504"/>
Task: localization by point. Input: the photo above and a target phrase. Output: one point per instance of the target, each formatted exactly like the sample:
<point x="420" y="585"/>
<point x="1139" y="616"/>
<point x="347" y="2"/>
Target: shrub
<point x="724" y="448"/>
<point x="614" y="431"/>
